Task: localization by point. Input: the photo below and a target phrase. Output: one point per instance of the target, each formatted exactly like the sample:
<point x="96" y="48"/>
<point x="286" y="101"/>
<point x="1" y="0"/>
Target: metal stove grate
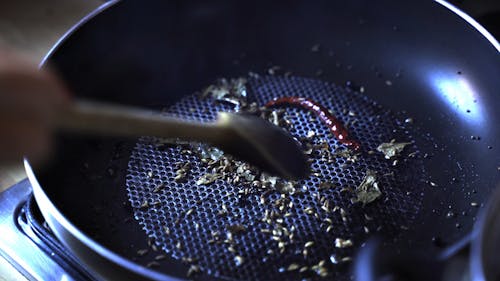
<point x="151" y="166"/>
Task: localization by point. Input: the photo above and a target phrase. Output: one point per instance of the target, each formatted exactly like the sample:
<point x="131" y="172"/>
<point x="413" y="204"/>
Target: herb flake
<point x="368" y="190"/>
<point x="392" y="149"/>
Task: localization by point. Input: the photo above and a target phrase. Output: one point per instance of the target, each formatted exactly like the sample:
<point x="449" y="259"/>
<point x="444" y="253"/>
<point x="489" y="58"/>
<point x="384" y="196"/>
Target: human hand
<point x="29" y="98"/>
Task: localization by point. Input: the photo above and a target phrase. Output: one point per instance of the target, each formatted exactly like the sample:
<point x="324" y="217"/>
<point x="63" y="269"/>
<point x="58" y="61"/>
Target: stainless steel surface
<point x="18" y="248"/>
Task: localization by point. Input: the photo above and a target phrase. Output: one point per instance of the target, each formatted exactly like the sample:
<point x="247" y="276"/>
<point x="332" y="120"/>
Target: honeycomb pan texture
<point x="166" y="223"/>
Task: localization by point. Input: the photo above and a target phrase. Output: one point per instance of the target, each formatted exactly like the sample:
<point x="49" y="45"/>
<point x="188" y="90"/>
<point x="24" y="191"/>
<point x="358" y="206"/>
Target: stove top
<point x="27" y="242"/>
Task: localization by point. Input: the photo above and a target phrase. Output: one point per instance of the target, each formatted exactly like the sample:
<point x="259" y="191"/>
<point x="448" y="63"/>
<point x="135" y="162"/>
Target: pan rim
<point x="46" y="204"/>
<point x="468" y="19"/>
<point x="75" y="28"/>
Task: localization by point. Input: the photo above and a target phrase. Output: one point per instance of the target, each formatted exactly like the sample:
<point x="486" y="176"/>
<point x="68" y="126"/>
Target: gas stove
<point x="27" y="242"/>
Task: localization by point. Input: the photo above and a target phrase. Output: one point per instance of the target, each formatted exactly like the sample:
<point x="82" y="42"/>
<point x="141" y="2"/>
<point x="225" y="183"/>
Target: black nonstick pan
<point x="414" y="72"/>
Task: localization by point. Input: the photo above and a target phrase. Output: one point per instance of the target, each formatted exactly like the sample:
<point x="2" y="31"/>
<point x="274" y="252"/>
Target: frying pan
<point x="419" y="61"/>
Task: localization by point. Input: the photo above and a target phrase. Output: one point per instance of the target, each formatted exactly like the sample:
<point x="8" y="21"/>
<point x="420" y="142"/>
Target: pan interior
<point x="192" y="221"/>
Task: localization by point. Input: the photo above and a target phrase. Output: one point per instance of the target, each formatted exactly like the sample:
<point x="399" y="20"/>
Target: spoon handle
<point x="89" y="117"/>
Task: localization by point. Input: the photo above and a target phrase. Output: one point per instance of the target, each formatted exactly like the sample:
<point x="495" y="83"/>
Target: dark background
<point x="486" y="12"/>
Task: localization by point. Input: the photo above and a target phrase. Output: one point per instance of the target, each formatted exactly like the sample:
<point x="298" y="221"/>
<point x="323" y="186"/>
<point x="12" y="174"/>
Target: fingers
<point x="18" y="67"/>
<point x="21" y="139"/>
<point x="31" y="87"/>
<point x="29" y="99"/>
<point x="27" y="92"/>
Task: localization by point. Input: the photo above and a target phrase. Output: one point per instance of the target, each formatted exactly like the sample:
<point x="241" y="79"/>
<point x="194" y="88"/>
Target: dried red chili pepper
<point x="333" y="123"/>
